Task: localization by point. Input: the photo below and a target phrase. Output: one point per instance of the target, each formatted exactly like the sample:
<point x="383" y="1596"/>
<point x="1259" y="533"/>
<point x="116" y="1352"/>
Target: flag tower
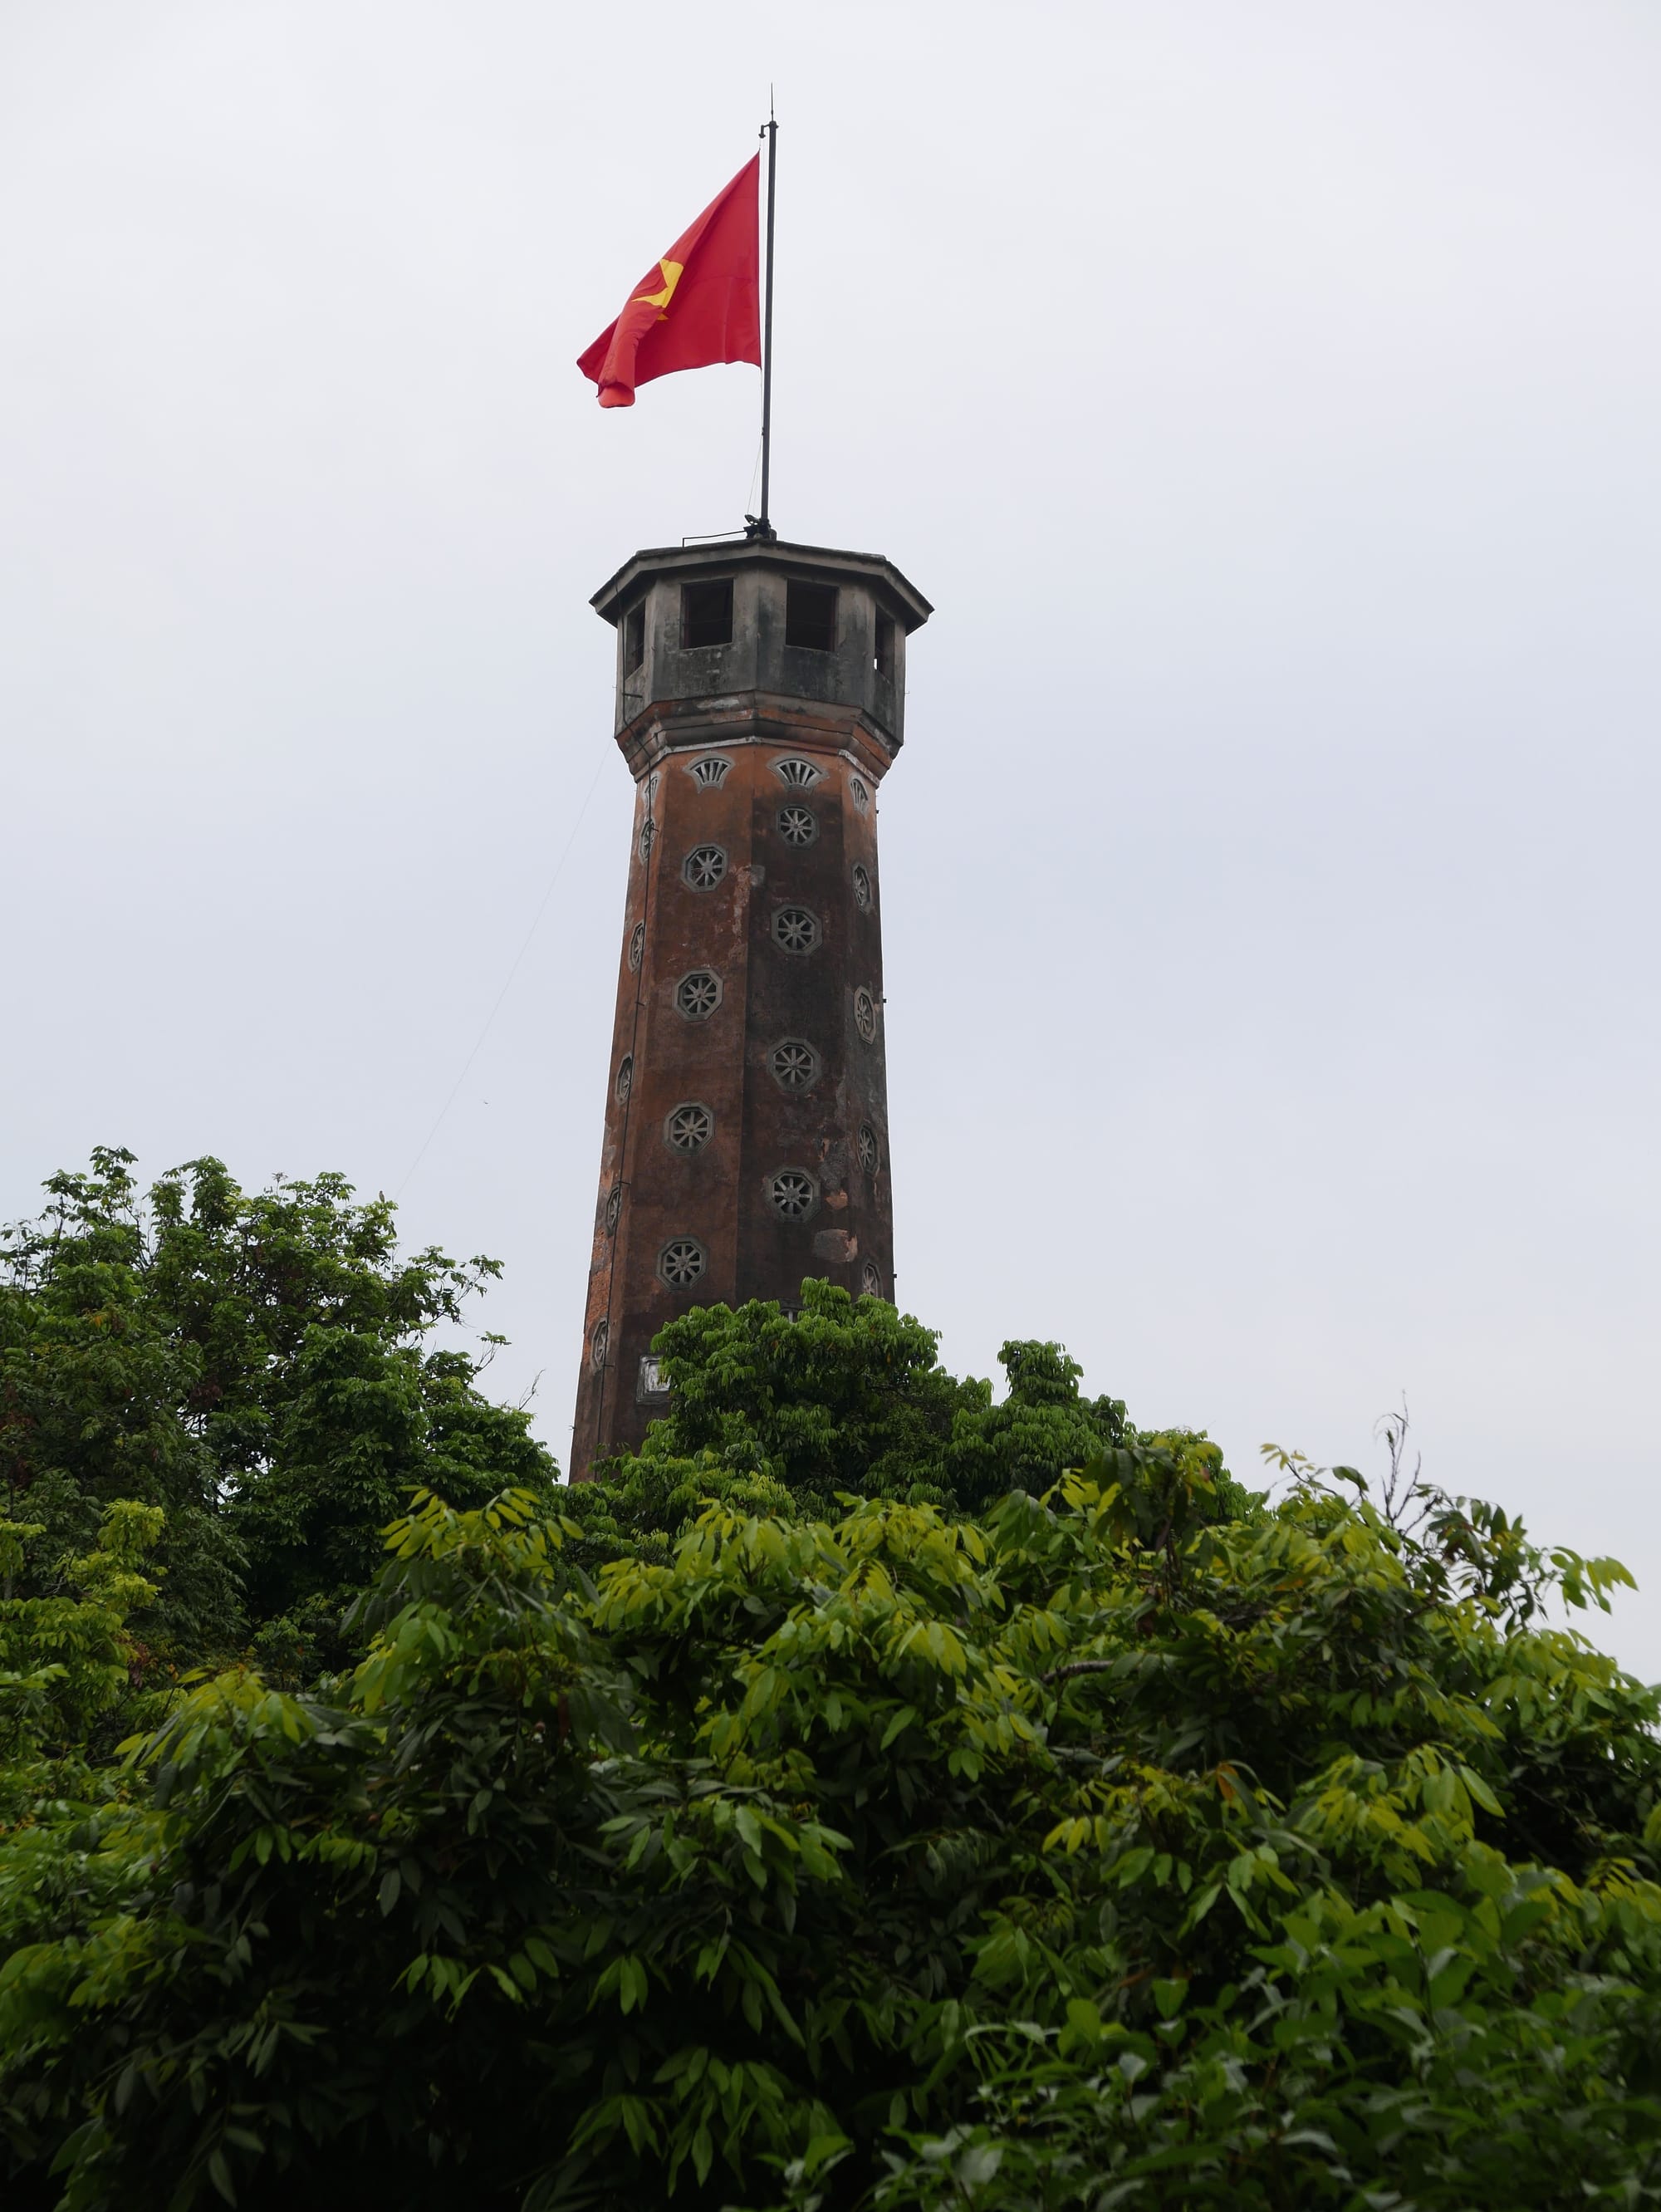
<point x="760" y="701"/>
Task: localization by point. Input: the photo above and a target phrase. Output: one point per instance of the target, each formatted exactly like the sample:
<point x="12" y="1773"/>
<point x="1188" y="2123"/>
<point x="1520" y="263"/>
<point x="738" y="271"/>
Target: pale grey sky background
<point x="1267" y="397"/>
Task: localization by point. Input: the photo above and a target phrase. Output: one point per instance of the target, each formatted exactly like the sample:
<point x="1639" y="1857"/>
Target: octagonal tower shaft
<point x="760" y="698"/>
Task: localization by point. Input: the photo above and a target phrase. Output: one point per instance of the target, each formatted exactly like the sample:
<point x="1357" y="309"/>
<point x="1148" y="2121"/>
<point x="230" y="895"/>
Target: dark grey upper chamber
<point x="754" y="616"/>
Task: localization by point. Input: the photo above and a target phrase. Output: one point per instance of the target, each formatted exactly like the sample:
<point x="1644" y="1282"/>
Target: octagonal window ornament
<point x="625" y="1078"/>
<point x="793" y="1192"/>
<point x="870" y="1153"/>
<point x="862" y="888"/>
<point x="596" y="1345"/>
<point x="710" y="773"/>
<point x="795" y="930"/>
<point x="799" y="775"/>
<point x="636" y="946"/>
<point x="871" y="1280"/>
<point x="688" y="1127"/>
<point x="648" y="832"/>
<point x="862" y="798"/>
<point x="704" y="866"/>
<point x="796" y="824"/>
<point x="698" y="995"/>
<point x="682" y="1261"/>
<point x="864" y="1014"/>
<point x="794" y="1064"/>
<point x="614" y="1208"/>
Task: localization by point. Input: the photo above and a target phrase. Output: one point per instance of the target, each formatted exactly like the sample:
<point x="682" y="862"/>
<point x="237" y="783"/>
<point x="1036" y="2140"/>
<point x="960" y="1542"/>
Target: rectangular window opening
<point x="633" y="638"/>
<point x="882" y="659"/>
<point x="706" y="613"/>
<point x="654" y="1382"/>
<point x="811" y="617"/>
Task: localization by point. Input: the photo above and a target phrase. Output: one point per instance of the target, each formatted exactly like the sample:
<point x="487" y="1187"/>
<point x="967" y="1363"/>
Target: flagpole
<point x="763" y="521"/>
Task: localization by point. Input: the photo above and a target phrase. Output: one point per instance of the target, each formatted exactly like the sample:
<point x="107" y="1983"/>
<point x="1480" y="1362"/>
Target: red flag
<point x="696" y="306"/>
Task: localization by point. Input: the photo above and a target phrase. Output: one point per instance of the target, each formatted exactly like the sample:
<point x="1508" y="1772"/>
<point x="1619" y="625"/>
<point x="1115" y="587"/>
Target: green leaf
<point x="1203" y="1904"/>
<point x="901" y="1720"/>
<point x="1480" y="1793"/>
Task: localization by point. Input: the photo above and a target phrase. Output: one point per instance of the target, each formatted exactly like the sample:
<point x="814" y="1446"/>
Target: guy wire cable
<point x="653" y="860"/>
<point x="559" y="869"/>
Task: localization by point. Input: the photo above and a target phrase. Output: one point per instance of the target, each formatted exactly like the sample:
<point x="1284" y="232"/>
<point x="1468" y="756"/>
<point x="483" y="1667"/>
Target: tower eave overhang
<point x="672" y="725"/>
<point x="899" y="594"/>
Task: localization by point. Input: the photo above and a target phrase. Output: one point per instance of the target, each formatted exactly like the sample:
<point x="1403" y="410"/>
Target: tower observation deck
<point x="760" y="700"/>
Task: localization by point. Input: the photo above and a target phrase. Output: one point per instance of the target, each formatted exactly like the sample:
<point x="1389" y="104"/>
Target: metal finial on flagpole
<point x="762" y="524"/>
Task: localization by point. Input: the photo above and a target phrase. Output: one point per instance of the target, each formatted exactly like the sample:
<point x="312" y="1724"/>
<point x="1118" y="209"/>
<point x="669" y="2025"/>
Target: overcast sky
<point x="1267" y="398"/>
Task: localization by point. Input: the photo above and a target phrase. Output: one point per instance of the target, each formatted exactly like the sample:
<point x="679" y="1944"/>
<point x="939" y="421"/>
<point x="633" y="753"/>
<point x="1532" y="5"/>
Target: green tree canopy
<point x="868" y="1798"/>
<point x="848" y="1398"/>
<point x="256" y="1364"/>
<point x="1108" y="1850"/>
<point x="67" y="1660"/>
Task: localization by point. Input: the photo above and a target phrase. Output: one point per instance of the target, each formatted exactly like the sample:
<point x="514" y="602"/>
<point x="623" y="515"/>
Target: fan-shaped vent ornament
<point x="710" y="773"/>
<point x="800" y="774"/>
